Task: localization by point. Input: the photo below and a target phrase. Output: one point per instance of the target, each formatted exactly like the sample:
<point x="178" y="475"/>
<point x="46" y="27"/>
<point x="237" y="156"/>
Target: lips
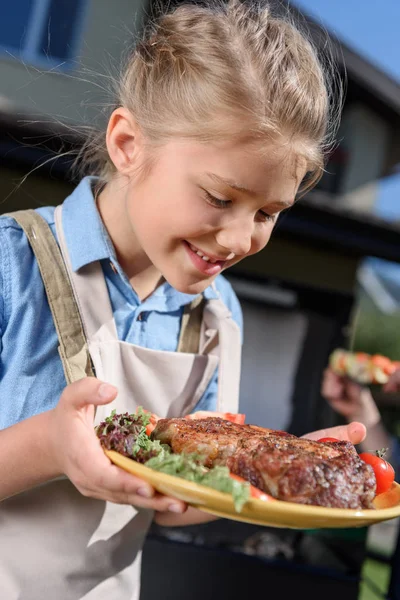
<point x="209" y="265"/>
<point x="202" y="255"/>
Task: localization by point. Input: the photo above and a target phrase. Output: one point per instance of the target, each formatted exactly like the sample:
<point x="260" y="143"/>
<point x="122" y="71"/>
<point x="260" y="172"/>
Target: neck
<point x="112" y="206"/>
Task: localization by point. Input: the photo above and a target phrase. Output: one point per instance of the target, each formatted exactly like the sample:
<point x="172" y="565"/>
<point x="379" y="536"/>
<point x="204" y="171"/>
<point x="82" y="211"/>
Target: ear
<point x="123" y="141"/>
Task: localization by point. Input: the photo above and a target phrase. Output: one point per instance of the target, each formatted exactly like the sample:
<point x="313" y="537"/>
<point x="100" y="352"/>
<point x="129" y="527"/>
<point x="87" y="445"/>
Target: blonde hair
<point x="225" y="71"/>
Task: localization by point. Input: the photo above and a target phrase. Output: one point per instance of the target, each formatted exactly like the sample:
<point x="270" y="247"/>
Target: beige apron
<point x="57" y="544"/>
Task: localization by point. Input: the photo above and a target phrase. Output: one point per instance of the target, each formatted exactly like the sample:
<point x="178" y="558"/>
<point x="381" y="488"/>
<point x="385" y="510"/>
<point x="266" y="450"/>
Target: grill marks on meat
<point x="285" y="466"/>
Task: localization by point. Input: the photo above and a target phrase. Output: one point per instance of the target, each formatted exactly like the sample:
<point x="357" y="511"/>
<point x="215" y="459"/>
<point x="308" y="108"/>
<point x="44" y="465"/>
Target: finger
<point x="111" y="483"/>
<point x="161" y="503"/>
<point x="353" y="390"/>
<point x="343" y="407"/>
<point x="158" y="502"/>
<point x="393" y="384"/>
<point x="125" y="488"/>
<point x="354" y="432"/>
<point x="88" y="391"/>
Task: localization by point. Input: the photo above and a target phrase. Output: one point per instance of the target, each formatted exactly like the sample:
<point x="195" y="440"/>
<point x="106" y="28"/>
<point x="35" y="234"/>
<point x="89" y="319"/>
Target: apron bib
<point x="56" y="542"/>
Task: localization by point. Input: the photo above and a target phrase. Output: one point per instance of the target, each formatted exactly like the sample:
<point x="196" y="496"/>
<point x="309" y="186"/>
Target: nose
<point x="236" y="236"/>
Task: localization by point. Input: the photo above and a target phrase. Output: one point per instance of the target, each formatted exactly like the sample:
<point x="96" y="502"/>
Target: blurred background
<point x="329" y="277"/>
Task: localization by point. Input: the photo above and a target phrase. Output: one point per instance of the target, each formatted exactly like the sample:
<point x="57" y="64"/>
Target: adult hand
<point x="78" y="453"/>
<point x="393" y="385"/>
<point x="349" y="399"/>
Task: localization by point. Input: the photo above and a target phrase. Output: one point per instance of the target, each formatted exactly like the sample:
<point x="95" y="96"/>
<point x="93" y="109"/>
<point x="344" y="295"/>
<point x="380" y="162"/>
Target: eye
<point x="217" y="202"/>
<point x="264" y="217"/>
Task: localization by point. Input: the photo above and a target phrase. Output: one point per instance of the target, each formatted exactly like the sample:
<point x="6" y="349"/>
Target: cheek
<point x="260" y="239"/>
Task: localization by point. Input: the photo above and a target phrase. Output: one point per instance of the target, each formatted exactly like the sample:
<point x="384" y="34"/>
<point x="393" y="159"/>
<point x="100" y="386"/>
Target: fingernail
<point x="106" y="390"/>
<point x="175" y="508"/>
<point x="145" y="492"/>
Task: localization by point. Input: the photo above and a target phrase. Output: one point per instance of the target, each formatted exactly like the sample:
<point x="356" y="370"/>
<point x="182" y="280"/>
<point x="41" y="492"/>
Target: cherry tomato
<point x="254" y="492"/>
<point x="328" y="439"/>
<point x="384" y="472"/>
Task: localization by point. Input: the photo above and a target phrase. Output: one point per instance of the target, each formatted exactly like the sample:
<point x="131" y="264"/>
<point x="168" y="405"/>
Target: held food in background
<point x="363" y="368"/>
<point x="245" y="460"/>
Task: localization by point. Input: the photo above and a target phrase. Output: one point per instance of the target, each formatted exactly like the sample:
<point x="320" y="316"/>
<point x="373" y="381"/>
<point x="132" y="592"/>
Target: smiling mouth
<point x="207" y="258"/>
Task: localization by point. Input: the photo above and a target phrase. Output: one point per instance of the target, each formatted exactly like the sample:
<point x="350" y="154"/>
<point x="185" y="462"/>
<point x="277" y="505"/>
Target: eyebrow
<point x="240" y="188"/>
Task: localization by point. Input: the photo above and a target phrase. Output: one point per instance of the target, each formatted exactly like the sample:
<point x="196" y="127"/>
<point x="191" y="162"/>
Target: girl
<point x="223" y="112"/>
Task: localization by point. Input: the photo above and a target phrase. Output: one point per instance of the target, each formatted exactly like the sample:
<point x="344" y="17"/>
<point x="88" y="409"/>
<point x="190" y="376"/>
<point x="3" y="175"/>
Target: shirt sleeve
<point x="209" y="399"/>
<point x="3" y="271"/>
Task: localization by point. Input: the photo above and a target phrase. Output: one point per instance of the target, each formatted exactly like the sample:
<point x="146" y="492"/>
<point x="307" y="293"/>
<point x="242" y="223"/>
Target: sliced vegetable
<point x="328" y="439"/>
<point x="152" y="424"/>
<point x="188" y="466"/>
<point x="254" y="491"/>
<point x="383" y="363"/>
<point x="384" y="472"/>
<point x="238" y="418"/>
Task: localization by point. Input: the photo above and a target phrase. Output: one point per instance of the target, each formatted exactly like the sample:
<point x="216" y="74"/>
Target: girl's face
<point x="204" y="207"/>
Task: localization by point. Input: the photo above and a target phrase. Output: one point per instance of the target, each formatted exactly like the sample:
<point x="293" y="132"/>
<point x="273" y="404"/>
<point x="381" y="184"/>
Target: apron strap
<point x="189" y="337"/>
<point x="73" y="348"/>
<point x="218" y="318"/>
<point x="88" y="283"/>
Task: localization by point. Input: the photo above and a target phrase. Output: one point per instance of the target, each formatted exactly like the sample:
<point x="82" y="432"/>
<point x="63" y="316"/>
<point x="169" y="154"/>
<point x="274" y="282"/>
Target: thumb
<point x="88" y="390"/>
<point x="353" y="390"/>
<point x="353" y="432"/>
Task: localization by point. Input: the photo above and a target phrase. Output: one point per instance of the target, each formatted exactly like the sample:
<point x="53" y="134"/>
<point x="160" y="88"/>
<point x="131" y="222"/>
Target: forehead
<point x="268" y="171"/>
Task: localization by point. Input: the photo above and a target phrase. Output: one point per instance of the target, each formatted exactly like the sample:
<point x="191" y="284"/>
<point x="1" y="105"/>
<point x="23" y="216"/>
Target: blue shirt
<point x="31" y="373"/>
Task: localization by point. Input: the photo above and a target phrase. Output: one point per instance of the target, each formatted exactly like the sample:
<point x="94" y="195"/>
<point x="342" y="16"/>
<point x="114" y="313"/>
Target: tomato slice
<point x="328" y="439"/>
<point x="153" y="421"/>
<point x="383" y="363"/>
<point x="254" y="491"/>
<point x="152" y="425"/>
<point x="384" y="472"/>
<point x="238" y="418"/>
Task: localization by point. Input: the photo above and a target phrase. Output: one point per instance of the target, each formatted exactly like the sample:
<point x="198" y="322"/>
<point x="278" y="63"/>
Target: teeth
<point x="203" y="256"/>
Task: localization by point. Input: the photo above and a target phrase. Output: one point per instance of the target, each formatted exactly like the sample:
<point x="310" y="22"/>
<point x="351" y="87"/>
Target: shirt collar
<point x="85" y="235"/>
<point x="87" y="239"/>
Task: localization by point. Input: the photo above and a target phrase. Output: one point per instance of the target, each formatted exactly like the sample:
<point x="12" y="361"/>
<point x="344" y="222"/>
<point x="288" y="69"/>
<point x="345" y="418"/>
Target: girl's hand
<point x="353" y="432"/>
<point x="78" y="453"/>
<point x="349" y="399"/>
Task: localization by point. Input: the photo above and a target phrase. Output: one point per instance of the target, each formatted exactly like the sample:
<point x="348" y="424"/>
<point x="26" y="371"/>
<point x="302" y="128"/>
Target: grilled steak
<point x="282" y="465"/>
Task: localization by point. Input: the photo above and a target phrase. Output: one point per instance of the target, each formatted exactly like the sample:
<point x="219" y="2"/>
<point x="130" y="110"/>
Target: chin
<point x="186" y="286"/>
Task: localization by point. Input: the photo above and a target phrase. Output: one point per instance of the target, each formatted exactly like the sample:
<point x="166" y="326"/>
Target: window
<point x="45" y="33"/>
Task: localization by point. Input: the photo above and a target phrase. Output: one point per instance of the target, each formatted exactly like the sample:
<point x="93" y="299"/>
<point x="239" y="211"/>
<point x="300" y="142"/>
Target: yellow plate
<point x="273" y="514"/>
